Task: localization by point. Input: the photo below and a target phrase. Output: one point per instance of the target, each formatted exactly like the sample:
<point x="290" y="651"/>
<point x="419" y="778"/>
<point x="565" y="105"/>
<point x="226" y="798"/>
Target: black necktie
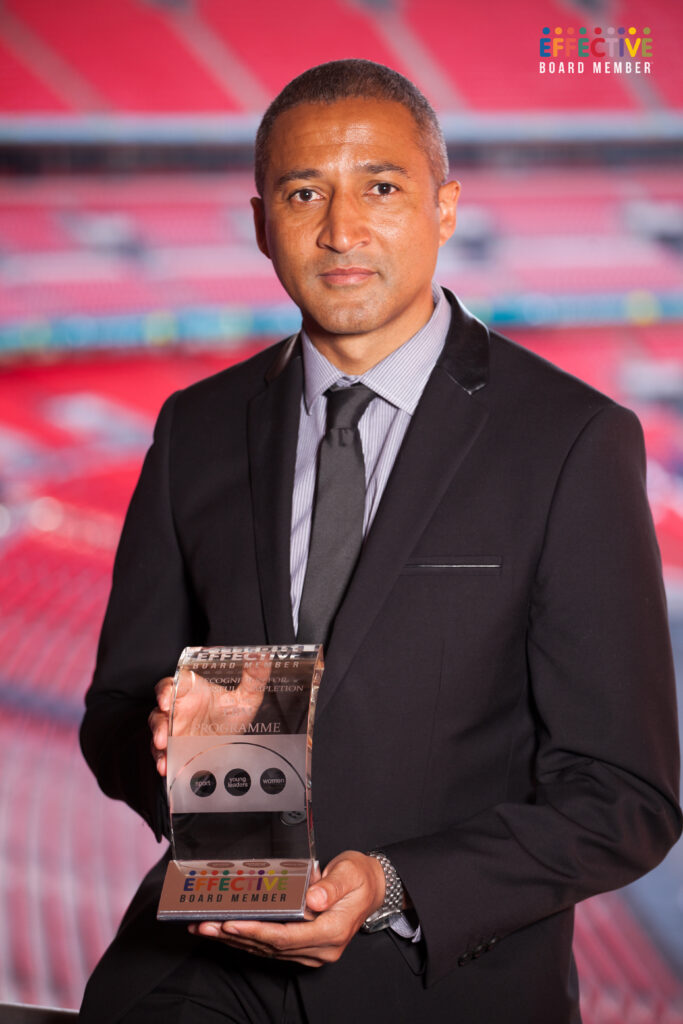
<point x="338" y="510"/>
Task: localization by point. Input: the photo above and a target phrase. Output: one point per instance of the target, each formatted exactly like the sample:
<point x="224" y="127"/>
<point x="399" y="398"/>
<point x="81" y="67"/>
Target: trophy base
<point x="231" y="890"/>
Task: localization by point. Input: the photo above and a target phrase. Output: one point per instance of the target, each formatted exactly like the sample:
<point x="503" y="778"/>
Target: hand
<point x="351" y="888"/>
<point x="201" y="709"/>
<point x="158" y="722"/>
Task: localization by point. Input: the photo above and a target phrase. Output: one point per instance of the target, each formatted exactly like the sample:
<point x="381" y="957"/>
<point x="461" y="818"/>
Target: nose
<point x="344" y="226"/>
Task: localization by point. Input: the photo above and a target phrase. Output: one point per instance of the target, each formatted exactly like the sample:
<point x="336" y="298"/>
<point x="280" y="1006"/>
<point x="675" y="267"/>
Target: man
<point x="496" y="718"/>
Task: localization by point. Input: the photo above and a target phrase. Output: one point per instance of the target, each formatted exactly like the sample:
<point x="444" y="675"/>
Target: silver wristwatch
<point x="393" y="896"/>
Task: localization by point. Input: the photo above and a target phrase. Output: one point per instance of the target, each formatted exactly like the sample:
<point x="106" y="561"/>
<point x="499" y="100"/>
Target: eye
<point x="384" y="188"/>
<point x="304" y="195"/>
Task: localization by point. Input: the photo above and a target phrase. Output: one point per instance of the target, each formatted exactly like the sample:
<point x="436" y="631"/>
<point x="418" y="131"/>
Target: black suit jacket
<point x="497" y="710"/>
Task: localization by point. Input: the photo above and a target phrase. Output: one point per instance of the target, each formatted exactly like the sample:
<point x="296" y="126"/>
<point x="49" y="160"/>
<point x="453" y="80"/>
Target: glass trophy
<point x="239" y="783"/>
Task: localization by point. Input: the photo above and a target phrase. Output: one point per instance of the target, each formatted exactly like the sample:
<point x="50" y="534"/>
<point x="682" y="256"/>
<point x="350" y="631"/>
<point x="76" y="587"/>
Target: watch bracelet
<point x="393" y="887"/>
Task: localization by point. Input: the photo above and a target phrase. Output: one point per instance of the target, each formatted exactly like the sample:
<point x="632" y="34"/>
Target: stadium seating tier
<point x="138" y="56"/>
<point x="128" y="54"/>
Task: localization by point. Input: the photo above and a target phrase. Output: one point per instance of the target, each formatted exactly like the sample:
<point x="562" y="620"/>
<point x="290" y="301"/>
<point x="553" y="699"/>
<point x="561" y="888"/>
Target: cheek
<point x="287" y="251"/>
<point x="411" y="243"/>
<point x="411" y="228"/>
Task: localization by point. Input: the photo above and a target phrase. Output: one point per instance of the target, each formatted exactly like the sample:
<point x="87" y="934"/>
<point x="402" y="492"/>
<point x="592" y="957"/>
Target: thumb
<point x="185" y="683"/>
<point x="317" y="898"/>
<point x="337" y="882"/>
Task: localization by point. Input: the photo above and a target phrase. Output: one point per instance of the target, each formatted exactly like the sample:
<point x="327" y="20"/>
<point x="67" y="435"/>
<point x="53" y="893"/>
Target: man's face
<point x="352" y="219"/>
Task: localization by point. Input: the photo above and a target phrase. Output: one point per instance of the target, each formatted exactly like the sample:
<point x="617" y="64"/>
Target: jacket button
<point x="464" y="959"/>
<point x="491" y="943"/>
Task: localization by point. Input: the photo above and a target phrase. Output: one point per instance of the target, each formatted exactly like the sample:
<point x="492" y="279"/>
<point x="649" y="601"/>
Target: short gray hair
<point x="361" y="79"/>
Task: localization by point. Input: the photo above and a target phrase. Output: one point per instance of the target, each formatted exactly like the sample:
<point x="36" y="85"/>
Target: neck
<point x="354" y="354"/>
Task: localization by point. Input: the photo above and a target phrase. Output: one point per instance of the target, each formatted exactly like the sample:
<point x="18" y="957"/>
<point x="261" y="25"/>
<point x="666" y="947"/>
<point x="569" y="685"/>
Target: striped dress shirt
<point x="398" y="382"/>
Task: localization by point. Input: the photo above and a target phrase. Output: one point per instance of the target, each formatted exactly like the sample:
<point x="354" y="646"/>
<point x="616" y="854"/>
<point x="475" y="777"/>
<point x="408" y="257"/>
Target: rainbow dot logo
<point x="242" y="880"/>
<point x="611" y="42"/>
<point x="600" y="49"/>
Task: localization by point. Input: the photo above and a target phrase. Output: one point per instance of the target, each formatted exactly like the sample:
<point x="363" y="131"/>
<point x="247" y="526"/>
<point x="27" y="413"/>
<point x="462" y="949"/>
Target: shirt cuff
<point x="402" y="926"/>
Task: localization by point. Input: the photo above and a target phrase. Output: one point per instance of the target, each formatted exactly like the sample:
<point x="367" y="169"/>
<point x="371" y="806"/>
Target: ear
<point x="260" y="225"/>
<point x="447" y="200"/>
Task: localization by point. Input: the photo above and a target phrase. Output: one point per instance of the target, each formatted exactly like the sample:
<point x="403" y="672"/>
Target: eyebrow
<point x="298" y="173"/>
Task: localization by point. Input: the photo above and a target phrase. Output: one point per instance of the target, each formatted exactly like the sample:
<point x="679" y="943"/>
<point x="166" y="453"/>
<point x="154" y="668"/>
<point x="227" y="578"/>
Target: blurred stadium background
<point x="128" y="269"/>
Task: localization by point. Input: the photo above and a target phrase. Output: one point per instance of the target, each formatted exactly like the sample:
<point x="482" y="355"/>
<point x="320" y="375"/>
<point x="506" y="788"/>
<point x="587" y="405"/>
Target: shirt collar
<point x="399" y="378"/>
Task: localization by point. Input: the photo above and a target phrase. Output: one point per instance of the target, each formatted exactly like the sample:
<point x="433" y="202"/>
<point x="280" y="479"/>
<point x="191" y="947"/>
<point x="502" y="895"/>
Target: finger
<point x="213" y="930"/>
<point x="159" y="759"/>
<point x="305" y="938"/>
<point x="280" y="938"/>
<point x="191" y="704"/>
<point x="266" y="933"/>
<point x="312" y="946"/>
<point x="164" y="693"/>
<point x="185" y="682"/>
<point x="158" y="723"/>
<point x="208" y="931"/>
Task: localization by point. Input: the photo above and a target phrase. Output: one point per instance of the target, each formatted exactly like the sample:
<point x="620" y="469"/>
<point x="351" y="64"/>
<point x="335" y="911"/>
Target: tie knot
<point x="345" y="406"/>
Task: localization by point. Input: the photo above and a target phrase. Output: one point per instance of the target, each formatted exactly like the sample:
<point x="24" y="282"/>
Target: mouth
<point x="346" y="275"/>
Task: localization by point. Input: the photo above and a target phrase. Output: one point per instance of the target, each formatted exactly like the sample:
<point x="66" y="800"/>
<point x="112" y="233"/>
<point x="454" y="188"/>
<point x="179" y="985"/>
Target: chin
<point x="358" y="319"/>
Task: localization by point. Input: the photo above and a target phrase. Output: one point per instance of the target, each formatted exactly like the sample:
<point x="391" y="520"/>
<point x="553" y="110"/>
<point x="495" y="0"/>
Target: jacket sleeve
<point x="601" y="688"/>
<point x="149" y="619"/>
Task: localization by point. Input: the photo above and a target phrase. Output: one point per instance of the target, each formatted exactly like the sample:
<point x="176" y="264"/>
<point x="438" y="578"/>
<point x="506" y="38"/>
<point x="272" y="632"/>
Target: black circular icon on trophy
<point x="273" y="781"/>
<point x="203" y="783"/>
<point x="237" y="782"/>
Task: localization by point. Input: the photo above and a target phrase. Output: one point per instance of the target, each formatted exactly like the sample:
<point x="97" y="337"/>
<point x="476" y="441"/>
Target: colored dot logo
<point x="602" y="49"/>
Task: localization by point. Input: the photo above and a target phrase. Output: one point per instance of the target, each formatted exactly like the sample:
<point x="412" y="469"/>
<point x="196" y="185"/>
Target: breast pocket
<point x="458" y="565"/>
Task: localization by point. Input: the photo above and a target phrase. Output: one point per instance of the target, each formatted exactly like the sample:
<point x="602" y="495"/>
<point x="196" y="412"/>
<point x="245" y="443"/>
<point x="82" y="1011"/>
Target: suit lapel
<point x="447" y="422"/>
<point x="273" y="426"/>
